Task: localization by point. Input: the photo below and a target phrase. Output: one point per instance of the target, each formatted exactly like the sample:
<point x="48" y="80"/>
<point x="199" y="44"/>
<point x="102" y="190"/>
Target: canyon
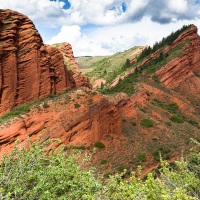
<point x="66" y="108"/>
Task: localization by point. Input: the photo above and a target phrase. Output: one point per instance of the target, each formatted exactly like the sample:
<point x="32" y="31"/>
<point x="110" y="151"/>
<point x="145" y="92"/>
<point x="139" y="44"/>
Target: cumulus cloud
<point x="112" y="39"/>
<point x="119" y="24"/>
<point x="67" y="33"/>
<point x="103" y="12"/>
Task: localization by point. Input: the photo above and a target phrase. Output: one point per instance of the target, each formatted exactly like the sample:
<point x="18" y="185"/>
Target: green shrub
<point x="134" y="123"/>
<point x="107" y="175"/>
<point x="155" y="78"/>
<point x="177" y="118"/>
<point x="99" y="145"/>
<point x="172" y="107"/>
<point x="162" y="151"/>
<point x="141" y="157"/>
<point x="33" y="174"/>
<point x="103" y="162"/>
<point x="15" y="112"/>
<point x="197" y="74"/>
<point x="38" y="174"/>
<point x="121" y="168"/>
<point x="168" y="124"/>
<point x="156" y="155"/>
<point x="194" y="123"/>
<point x="76" y="105"/>
<point x="143" y="110"/>
<point x="146" y="123"/>
<point x="78" y="147"/>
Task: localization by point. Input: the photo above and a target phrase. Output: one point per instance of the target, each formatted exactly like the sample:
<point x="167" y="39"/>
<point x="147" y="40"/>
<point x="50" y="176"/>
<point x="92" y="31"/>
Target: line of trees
<point x="165" y="41"/>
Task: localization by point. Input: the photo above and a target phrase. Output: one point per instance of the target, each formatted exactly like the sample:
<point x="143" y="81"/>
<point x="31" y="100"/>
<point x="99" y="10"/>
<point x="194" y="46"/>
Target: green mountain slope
<point x="108" y="67"/>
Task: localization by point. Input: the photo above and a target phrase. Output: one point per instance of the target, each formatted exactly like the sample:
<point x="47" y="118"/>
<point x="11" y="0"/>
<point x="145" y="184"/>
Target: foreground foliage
<point x="35" y="174"/>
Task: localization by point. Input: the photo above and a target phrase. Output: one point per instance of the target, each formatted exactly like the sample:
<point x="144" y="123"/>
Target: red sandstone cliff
<point x="182" y="69"/>
<point x="28" y="69"/>
<point x="179" y="74"/>
<point x="80" y="79"/>
<point x="81" y="117"/>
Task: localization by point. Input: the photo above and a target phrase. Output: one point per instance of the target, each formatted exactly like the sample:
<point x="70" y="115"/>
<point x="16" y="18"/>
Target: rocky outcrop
<point x="180" y="73"/>
<point x="179" y="69"/>
<point x="96" y="118"/>
<point x="29" y="70"/>
<point x="80" y="79"/>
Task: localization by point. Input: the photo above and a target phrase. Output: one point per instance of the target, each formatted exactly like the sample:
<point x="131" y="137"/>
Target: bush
<point x="155" y="78"/>
<point x="141" y="157"/>
<point x="15" y="112"/>
<point x="103" y="162"/>
<point x="121" y="168"/>
<point x="38" y="174"/>
<point x="33" y="174"/>
<point x="134" y="123"/>
<point x="156" y="155"/>
<point x="194" y="123"/>
<point x="162" y="151"/>
<point x="78" y="147"/>
<point x="172" y="107"/>
<point x="99" y="145"/>
<point x="177" y="118"/>
<point x="146" y="123"/>
<point x="76" y="105"/>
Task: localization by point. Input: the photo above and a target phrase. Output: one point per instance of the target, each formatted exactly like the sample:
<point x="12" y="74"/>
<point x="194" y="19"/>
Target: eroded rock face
<point x="179" y="74"/>
<point x="80" y="79"/>
<point x="81" y="117"/>
<point x="28" y="69"/>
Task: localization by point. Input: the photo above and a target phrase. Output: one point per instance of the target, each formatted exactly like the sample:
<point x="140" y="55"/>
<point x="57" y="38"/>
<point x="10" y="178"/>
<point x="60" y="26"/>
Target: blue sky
<point x="104" y="27"/>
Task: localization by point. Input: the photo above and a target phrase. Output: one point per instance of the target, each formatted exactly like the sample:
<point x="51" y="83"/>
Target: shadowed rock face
<point x="29" y="70"/>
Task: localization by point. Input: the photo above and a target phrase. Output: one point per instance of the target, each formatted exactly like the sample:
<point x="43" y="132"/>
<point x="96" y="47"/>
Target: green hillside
<point x="107" y="67"/>
<point x="85" y="63"/>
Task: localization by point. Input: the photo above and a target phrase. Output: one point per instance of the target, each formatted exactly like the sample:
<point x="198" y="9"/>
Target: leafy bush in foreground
<point x="35" y="174"/>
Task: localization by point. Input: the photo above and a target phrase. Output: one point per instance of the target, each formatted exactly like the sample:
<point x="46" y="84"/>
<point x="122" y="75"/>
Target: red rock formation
<point x="28" y="69"/>
<point x="186" y="65"/>
<point x="96" y="118"/>
<point x="80" y="79"/>
<point x="179" y="74"/>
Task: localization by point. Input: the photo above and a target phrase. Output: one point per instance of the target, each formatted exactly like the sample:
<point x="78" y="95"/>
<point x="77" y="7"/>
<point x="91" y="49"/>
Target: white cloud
<point x="124" y="23"/>
<point x="67" y="34"/>
<point x="179" y="6"/>
<point x="112" y="39"/>
<point x="102" y="12"/>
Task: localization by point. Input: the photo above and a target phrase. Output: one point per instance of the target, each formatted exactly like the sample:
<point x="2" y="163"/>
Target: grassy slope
<point x="108" y="67"/>
<point x="85" y="63"/>
<point x="128" y="85"/>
